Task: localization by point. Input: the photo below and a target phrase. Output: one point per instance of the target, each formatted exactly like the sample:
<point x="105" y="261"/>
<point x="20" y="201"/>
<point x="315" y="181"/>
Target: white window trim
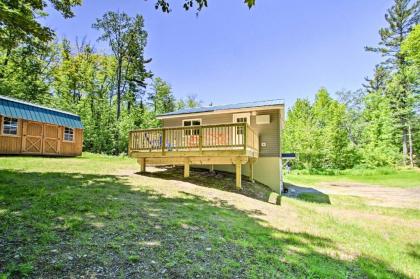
<point x="64" y="132"/>
<point x="240" y="115"/>
<point x="196" y="119"/>
<point x="191" y="127"/>
<point x="17" y="128"/>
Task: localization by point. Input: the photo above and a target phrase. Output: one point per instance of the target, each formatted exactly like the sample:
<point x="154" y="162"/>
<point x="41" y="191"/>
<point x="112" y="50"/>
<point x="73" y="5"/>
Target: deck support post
<point x="142" y="163"/>
<point x="251" y="170"/>
<point x="186" y="167"/>
<point x="238" y="174"/>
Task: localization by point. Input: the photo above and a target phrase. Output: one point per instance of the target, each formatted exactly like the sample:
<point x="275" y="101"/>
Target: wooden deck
<point x="222" y="144"/>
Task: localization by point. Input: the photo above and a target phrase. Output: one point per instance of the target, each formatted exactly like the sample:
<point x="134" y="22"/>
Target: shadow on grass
<point x="72" y="225"/>
<point x="308" y="194"/>
<point x="414" y="251"/>
<point x="218" y="180"/>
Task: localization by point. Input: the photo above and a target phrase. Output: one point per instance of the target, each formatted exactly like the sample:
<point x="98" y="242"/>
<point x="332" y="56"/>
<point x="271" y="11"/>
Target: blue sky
<point x="229" y="54"/>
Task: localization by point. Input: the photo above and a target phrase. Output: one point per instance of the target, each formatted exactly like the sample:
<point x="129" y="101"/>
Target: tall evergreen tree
<point x="401" y="18"/>
<point x="127" y="39"/>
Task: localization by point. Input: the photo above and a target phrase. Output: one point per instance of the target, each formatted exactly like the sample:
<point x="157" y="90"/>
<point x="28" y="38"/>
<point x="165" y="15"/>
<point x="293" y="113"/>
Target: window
<point x="10" y="126"/>
<point x="191" y="122"/>
<point x="68" y="134"/>
<point x="241" y="118"/>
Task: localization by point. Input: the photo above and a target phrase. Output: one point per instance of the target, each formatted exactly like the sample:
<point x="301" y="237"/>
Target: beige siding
<point x="268" y="133"/>
<point x="266" y="171"/>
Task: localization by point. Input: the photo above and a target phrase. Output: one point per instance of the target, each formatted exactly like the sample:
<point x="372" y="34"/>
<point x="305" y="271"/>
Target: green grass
<point x="72" y="217"/>
<point x="383" y="177"/>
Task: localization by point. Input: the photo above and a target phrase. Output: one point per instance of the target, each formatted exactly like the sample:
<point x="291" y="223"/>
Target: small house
<point x="26" y="128"/>
<point x="241" y="138"/>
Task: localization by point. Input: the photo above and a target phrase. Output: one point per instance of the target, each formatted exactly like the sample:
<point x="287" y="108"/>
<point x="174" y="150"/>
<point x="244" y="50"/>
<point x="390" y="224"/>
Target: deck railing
<point x="235" y="136"/>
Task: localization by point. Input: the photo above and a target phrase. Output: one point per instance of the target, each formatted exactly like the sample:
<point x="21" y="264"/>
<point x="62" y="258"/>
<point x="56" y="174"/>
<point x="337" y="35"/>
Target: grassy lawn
<point x="383" y="177"/>
<point x="93" y="217"/>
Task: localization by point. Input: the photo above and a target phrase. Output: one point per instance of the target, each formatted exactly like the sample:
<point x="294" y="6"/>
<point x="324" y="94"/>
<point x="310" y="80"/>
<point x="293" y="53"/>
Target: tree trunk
<point x="119" y="88"/>
<point x="404" y="147"/>
<point x="410" y="146"/>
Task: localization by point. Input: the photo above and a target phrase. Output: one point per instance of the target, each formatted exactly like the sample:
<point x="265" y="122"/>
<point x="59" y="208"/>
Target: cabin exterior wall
<point x="267" y="168"/>
<point x="268" y="133"/>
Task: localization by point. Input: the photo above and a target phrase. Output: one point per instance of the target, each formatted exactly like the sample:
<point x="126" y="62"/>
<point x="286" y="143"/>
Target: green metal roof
<point x="275" y="102"/>
<point x="11" y="107"/>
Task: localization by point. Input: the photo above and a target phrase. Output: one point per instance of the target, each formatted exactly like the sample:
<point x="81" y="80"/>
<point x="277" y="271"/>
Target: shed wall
<point x="50" y="138"/>
<point x="10" y="144"/>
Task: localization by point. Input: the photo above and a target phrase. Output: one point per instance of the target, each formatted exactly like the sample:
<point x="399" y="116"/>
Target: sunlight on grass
<point x="384" y="177"/>
<point x="75" y="217"/>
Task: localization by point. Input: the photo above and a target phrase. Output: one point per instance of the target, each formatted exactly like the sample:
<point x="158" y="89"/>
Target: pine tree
<point x="401" y="18"/>
<point x="127" y="39"/>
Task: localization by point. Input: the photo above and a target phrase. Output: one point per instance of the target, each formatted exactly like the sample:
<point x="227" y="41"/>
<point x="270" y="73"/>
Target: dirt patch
<point x="376" y="195"/>
<point x="211" y="179"/>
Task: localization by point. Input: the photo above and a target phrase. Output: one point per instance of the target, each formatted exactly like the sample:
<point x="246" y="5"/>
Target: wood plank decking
<point x="222" y="144"/>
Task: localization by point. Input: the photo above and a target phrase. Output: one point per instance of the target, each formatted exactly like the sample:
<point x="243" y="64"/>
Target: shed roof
<point x="275" y="102"/>
<point x="11" y="107"/>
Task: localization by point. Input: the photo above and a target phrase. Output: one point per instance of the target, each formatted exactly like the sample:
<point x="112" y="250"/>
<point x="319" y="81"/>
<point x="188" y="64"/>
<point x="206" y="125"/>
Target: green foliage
<point x="161" y="97"/>
<point x="191" y="101"/>
<point x="26" y="70"/>
<point x="374" y="127"/>
<point x="19" y="20"/>
<point x="379" y="145"/>
<point x="164" y="5"/>
<point x="127" y="39"/>
<point x="401" y="18"/>
<point x="411" y="46"/>
<point x="317" y="133"/>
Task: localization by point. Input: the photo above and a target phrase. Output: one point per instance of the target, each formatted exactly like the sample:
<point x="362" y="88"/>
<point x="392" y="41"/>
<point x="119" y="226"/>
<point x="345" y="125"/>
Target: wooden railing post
<point x="200" y="139"/>
<point x="245" y="135"/>
<point x="163" y="141"/>
<point x="235" y="136"/>
<point x="129" y="142"/>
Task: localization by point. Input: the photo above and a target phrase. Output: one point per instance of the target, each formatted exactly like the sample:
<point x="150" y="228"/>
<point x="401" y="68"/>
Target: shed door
<point x="32" y="137"/>
<point x="51" y="139"/>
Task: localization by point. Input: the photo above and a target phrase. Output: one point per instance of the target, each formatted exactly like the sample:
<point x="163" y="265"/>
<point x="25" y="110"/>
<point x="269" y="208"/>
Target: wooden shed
<point x="31" y="129"/>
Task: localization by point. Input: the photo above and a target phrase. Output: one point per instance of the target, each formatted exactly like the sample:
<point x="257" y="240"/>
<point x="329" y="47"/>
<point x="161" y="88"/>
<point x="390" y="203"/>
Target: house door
<point x="239" y="131"/>
<point x="32" y="137"/>
<point x="51" y="139"/>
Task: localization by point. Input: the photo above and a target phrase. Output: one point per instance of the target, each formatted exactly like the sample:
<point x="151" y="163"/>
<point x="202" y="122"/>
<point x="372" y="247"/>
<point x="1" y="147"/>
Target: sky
<point x="230" y="54"/>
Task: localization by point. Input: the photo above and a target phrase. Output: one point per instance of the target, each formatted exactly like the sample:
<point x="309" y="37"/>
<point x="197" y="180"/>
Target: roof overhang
<point x="258" y="108"/>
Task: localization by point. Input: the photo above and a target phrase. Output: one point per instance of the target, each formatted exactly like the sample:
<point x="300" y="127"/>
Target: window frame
<point x="236" y="116"/>
<point x="246" y="115"/>
<point x="191" y="132"/>
<point x="3" y="118"/>
<point x="64" y="134"/>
